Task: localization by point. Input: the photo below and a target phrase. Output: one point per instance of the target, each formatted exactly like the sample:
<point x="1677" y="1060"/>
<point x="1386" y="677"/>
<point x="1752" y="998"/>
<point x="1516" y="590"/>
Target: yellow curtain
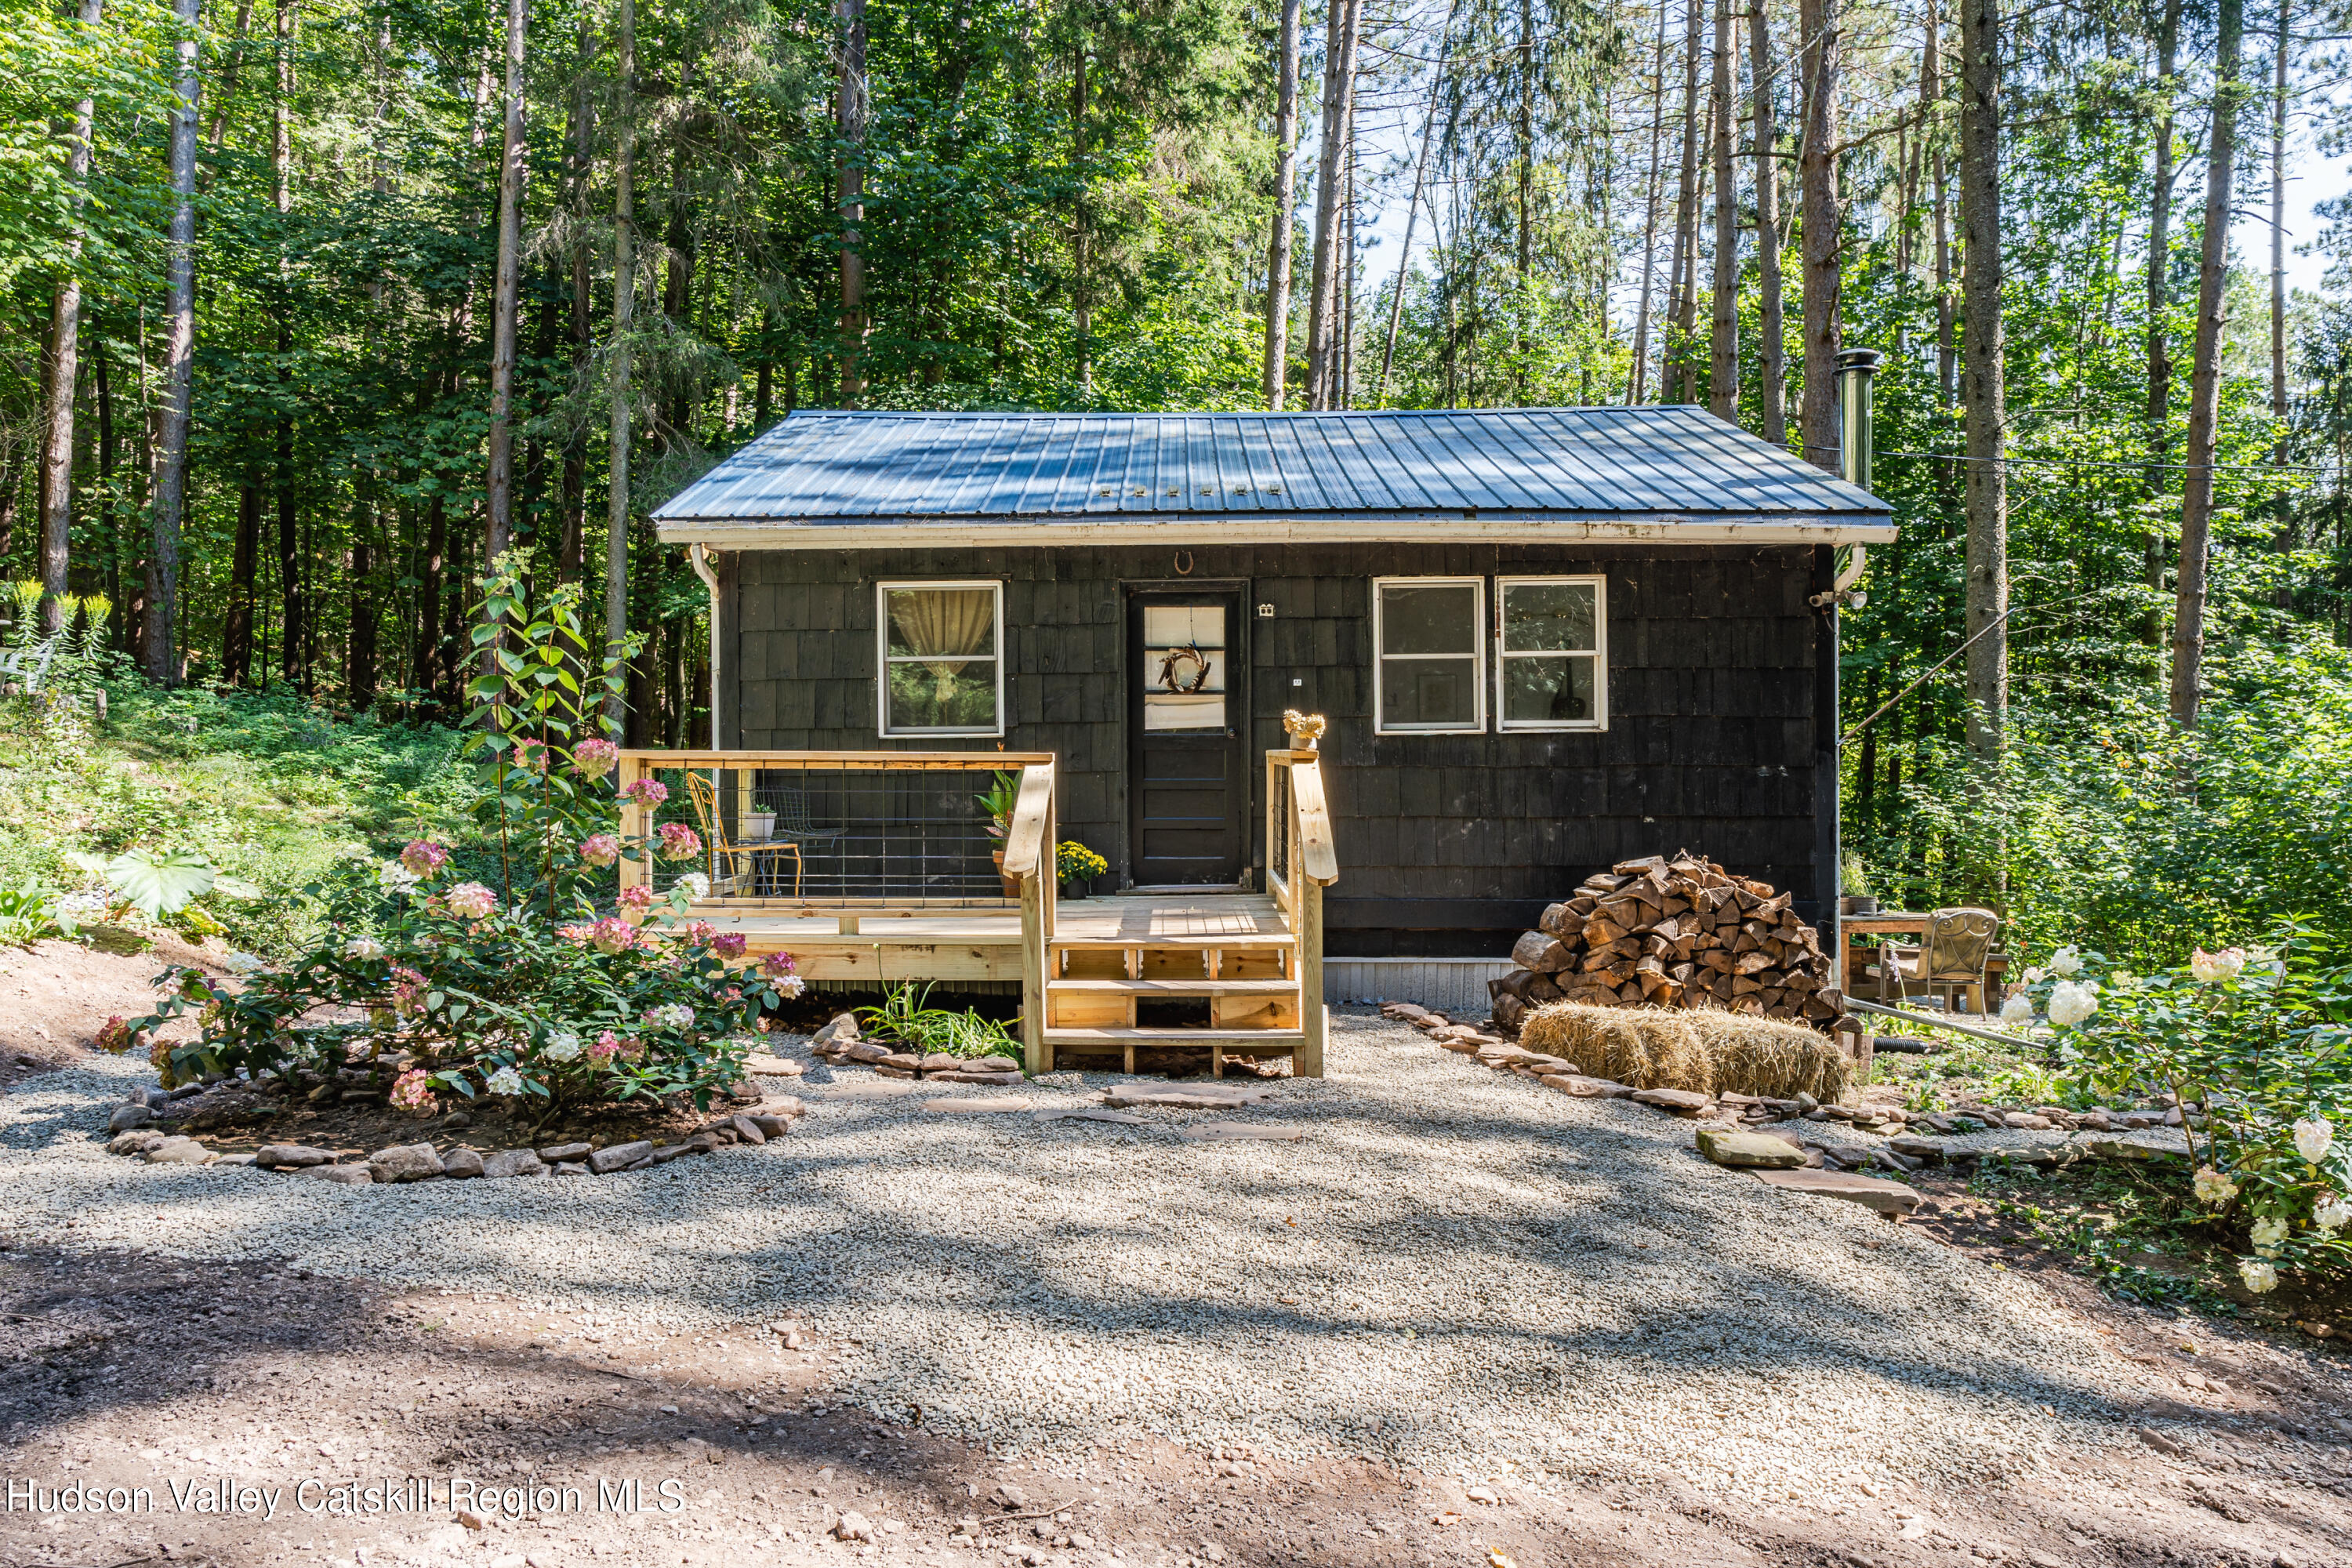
<point x="944" y="627"/>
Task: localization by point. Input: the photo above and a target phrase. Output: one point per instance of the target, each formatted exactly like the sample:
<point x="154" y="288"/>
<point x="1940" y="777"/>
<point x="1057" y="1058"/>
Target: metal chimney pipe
<point x="1855" y="367"/>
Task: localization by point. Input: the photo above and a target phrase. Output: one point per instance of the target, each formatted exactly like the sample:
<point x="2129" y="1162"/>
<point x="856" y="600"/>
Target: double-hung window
<point x="942" y="658"/>
<point x="1550" y="653"/>
<point x="1430" y="643"/>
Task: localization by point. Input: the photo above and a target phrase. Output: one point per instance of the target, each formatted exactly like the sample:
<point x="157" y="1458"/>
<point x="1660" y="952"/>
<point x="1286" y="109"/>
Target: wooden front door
<point x="1188" y="779"/>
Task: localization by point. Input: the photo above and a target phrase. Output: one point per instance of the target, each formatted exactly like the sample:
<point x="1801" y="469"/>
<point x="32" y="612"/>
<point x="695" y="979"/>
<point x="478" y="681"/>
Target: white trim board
<point x="1488" y="528"/>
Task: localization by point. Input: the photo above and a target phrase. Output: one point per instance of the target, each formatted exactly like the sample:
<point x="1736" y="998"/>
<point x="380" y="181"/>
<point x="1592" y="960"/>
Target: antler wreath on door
<point x="1174" y="681"/>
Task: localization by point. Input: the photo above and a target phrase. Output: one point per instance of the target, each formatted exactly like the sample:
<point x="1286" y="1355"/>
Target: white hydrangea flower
<point x="2212" y="1188"/>
<point x="2018" y="1009"/>
<point x="362" y="948"/>
<point x="2314" y="1136"/>
<point x="505" y="1081"/>
<point x="696" y="886"/>
<point x="2066" y="963"/>
<point x="674" y="1016"/>
<point x="237" y="962"/>
<point x="2258" y="1275"/>
<point x="2071" y="1001"/>
<point x="392" y="876"/>
<point x="2268" y="1234"/>
<point x="790" y="985"/>
<point x="563" y="1046"/>
<point x="2333" y="1214"/>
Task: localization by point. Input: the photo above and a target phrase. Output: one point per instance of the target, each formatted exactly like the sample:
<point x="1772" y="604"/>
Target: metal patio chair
<point x="1949" y="961"/>
<point x="741" y="862"/>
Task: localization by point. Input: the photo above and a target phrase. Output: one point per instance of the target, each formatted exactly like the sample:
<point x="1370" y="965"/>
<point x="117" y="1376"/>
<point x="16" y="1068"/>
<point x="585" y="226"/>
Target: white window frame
<point x="883" y="658"/>
<point x="1477" y="655"/>
<point x="1599" y="654"/>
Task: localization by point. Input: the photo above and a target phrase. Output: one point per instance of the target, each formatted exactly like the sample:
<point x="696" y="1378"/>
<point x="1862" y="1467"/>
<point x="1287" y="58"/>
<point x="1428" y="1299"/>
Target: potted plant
<point x="1075" y="865"/>
<point x="1003" y="795"/>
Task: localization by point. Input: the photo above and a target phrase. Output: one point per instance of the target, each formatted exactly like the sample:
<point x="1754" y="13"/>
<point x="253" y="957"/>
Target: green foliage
<point x="30" y="911"/>
<point x="902" y="1018"/>
<point x="163" y="885"/>
<point x="1003" y="795"/>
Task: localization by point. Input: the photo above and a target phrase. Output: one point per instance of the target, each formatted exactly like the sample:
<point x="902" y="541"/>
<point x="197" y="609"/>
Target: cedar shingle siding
<point x="1448" y="844"/>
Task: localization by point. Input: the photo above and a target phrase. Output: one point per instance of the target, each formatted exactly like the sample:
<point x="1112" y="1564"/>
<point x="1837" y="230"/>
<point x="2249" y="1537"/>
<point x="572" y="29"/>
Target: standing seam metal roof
<point x="820" y="465"/>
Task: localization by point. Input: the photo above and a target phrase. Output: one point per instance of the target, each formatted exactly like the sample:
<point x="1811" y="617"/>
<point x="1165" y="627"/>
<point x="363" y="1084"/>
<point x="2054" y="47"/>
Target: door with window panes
<point x="1187" y="781"/>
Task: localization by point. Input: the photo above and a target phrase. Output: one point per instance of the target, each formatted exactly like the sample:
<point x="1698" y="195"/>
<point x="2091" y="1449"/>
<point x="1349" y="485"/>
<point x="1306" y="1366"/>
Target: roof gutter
<point x="1355" y="528"/>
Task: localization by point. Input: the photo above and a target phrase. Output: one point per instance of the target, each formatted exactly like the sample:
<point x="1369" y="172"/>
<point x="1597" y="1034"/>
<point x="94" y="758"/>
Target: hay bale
<point x="1648" y="1047"/>
<point x="1769" y="1057"/>
<point x="1702" y="1049"/>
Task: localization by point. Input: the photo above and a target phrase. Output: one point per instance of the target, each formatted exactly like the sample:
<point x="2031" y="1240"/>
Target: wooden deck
<point x="984" y="943"/>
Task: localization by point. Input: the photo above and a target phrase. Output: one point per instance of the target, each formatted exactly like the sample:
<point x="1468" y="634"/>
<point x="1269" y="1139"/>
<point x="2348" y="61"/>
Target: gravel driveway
<point x="1452" y="1269"/>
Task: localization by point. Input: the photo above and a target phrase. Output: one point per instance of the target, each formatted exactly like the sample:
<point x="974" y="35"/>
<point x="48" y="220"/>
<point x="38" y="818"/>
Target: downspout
<point x="1855" y="367"/>
<point x="699" y="557"/>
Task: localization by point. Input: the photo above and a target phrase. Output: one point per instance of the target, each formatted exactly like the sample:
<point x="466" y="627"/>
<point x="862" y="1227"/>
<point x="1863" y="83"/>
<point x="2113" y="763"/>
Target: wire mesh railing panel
<point x="820" y="834"/>
<point x="1277" y="843"/>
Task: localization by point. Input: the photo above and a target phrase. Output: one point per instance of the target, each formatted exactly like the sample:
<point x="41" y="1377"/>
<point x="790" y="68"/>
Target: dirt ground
<point x="56" y="995"/>
<point x="258" y="1413"/>
<point x="131" y="1373"/>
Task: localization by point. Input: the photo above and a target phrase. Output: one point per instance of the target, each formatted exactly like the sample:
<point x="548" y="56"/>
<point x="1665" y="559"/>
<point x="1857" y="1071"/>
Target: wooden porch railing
<point x="1030" y="848"/>
<point x="1301" y="860"/>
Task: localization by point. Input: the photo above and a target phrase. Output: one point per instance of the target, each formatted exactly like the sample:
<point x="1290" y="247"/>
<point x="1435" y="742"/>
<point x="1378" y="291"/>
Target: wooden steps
<point x="1248" y="981"/>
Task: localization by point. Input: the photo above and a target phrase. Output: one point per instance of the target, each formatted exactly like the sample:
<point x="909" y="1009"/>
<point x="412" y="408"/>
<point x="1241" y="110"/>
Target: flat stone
<point x="621" y="1156"/>
<point x="1203" y="1098"/>
<point x="969" y="1075"/>
<point x="749" y="1131"/>
<point x="1120" y="1118"/>
<point x="889" y="1069"/>
<point x="127" y="1117"/>
<point x="992" y="1064"/>
<point x="138" y="1140"/>
<point x="234" y="1160"/>
<point x="668" y="1151"/>
<point x="284" y="1156"/>
<point x="513" y="1163"/>
<point x="560" y="1152"/>
<point x="180" y="1152"/>
<point x="866" y="1088"/>
<point x="1584" y="1087"/>
<point x="978" y="1106"/>
<point x="852" y="1526"/>
<point x="773" y="1126"/>
<point x="940" y="1061"/>
<point x="340" y="1176"/>
<point x="1681" y="1102"/>
<point x="570" y="1168"/>
<point x="2028" y="1121"/>
<point x="867" y="1051"/>
<point x="1240" y="1131"/>
<point x="1927" y="1149"/>
<point x="462" y="1162"/>
<point x="1406" y="1010"/>
<point x="405" y="1163"/>
<point x="1748" y="1150"/>
<point x="785" y="1105"/>
<point x="905" y="1061"/>
<point x="763" y="1064"/>
<point x="1870" y="1192"/>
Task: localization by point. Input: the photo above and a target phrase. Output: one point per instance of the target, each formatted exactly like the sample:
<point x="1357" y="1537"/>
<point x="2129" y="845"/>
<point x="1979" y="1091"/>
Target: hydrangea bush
<point x="528" y="991"/>
<point x="2262" y="1041"/>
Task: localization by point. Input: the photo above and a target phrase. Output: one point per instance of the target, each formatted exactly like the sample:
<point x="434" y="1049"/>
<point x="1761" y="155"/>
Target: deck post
<point x="635" y="825"/>
<point x="1038" y="1057"/>
<point x="1314" y="1020"/>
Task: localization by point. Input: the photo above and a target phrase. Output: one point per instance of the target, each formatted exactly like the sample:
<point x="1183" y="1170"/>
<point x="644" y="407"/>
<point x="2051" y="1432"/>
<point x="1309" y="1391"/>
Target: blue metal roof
<point x="1676" y="462"/>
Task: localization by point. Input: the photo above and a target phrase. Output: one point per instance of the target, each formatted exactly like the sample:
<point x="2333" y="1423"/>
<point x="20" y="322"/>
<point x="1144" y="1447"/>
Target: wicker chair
<point x="732" y="865"/>
<point x="1948" y="962"/>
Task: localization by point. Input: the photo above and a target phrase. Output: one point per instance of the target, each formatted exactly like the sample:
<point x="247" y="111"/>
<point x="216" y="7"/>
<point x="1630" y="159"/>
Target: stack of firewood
<point x="1682" y="932"/>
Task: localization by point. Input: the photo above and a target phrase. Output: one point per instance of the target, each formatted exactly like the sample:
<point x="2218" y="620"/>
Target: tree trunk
<point x="1286" y="193"/>
<point x="2160" y="278"/>
<point x="244" y="31"/>
<point x="1082" y="301"/>
<point x="61" y="371"/>
<point x="1637" y="388"/>
<point x="1771" y="327"/>
<point x="2205" y="373"/>
<point x="359" y="668"/>
<point x="428" y="595"/>
<point x="849" y="119"/>
<point x="281" y="192"/>
<point x="1412" y="211"/>
<point x="1338" y="96"/>
<point x="1981" y="387"/>
<point x="1817" y="177"/>
<point x="1523" y="131"/>
<point x="624" y="292"/>
<point x="506" y="297"/>
<point x="2278" y="237"/>
<point x="1680" y="375"/>
<point x="1723" y="347"/>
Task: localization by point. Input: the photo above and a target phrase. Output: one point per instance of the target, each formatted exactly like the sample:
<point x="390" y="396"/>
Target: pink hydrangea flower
<point x="423" y="857"/>
<point x="606" y="1048"/>
<point x="700" y="930"/>
<point x="729" y="945"/>
<point x="613" y="935"/>
<point x="407" y="990"/>
<point x="600" y="849"/>
<point x="116" y="1036"/>
<point x="470" y="900"/>
<point x="531" y="754"/>
<point x="411" y="1092"/>
<point x="637" y="898"/>
<point x="776" y="965"/>
<point x="596" y="758"/>
<point x="679" y="842"/>
<point x="647" y="792"/>
<point x="577" y="935"/>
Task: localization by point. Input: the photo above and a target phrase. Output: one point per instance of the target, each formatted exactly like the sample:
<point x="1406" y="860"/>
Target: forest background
<point x="308" y="306"/>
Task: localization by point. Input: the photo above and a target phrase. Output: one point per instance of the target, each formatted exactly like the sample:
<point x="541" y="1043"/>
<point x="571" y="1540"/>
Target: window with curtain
<point x="1549" y="633"/>
<point x="941" y="670"/>
<point x="1430" y="679"/>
